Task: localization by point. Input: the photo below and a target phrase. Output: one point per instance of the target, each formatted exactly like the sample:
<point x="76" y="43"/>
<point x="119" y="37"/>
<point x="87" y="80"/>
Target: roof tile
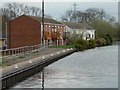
<point x="47" y="20"/>
<point x="75" y="25"/>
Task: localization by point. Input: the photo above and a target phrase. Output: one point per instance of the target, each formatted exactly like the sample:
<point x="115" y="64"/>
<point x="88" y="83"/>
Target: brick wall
<point x="24" y="31"/>
<point x="54" y="32"/>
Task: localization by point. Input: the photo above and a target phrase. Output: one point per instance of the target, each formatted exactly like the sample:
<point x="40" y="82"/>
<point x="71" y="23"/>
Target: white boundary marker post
<point x="71" y="48"/>
<point x="63" y="50"/>
<point x="16" y="66"/>
<point x="43" y="57"/>
<point x="57" y="42"/>
<point x="30" y="61"/>
<point x="51" y="54"/>
<point x="58" y="52"/>
<point x="68" y="49"/>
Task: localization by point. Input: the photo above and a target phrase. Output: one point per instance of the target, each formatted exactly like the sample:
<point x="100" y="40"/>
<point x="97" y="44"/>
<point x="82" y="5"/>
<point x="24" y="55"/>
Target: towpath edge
<point x="16" y="73"/>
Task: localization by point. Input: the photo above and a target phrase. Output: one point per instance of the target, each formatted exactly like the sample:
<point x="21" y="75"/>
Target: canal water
<point x="94" y="68"/>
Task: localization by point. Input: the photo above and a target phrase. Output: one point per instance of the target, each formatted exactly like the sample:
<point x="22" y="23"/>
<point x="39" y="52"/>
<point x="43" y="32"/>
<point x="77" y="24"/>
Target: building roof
<point x="75" y="25"/>
<point x="46" y="20"/>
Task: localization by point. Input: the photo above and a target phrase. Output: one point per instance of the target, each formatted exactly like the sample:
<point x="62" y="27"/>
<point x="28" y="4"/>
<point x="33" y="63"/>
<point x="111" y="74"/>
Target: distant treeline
<point x="98" y="18"/>
<point x="103" y="27"/>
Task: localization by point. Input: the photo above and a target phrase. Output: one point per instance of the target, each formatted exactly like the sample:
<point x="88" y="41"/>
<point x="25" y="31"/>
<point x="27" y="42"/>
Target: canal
<point x="94" y="68"/>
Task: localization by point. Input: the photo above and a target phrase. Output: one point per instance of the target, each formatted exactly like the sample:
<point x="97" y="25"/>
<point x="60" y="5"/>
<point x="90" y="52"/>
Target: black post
<point x="43" y="23"/>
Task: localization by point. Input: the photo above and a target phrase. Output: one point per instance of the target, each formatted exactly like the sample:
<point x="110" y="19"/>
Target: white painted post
<point x="58" y="52"/>
<point x="45" y="45"/>
<point x="51" y="54"/>
<point x="30" y="61"/>
<point x="43" y="57"/>
<point x="62" y="42"/>
<point x="16" y="66"/>
<point x="57" y="42"/>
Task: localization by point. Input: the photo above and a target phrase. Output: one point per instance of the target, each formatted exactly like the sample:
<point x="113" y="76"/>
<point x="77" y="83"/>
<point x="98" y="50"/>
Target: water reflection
<point x="95" y="68"/>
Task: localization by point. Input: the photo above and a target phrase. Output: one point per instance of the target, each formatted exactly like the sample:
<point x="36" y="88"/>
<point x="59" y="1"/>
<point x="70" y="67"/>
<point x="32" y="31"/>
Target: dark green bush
<point x="92" y="43"/>
<point x="109" y="39"/>
<point x="81" y="44"/>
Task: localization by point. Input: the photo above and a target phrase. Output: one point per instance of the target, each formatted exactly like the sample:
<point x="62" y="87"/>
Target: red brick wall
<point x="24" y="32"/>
<point x="53" y="35"/>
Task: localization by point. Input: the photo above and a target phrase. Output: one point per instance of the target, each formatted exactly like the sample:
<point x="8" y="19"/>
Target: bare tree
<point x="48" y="16"/>
<point x="13" y="10"/>
<point x="95" y="13"/>
<point x="86" y="16"/>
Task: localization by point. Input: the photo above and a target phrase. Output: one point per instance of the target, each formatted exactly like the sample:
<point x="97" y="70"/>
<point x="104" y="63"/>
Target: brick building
<point x="26" y="31"/>
<point x="4" y="25"/>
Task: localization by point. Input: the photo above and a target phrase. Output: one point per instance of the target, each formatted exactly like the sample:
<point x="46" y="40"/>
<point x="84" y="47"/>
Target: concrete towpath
<point x="43" y="54"/>
<point x="31" y="55"/>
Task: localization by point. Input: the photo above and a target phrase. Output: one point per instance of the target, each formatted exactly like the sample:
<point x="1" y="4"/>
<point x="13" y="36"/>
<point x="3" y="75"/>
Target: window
<point x="49" y="28"/>
<point x="77" y="32"/>
<point x="52" y="30"/>
<point x="88" y="35"/>
<point x="55" y="30"/>
<point x="61" y="34"/>
<point x="72" y="32"/>
<point x="5" y="42"/>
<point x="53" y="27"/>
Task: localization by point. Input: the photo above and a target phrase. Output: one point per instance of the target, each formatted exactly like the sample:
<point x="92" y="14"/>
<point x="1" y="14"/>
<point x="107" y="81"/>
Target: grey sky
<point x="56" y="9"/>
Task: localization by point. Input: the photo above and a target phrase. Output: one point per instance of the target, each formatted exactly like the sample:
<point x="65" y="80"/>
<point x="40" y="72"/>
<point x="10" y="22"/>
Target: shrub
<point x="109" y="39"/>
<point x="103" y="41"/>
<point x="100" y="42"/>
<point x="81" y="44"/>
<point x="92" y="43"/>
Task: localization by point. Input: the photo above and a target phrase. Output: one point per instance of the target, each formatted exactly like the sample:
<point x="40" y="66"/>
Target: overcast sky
<point x="56" y="9"/>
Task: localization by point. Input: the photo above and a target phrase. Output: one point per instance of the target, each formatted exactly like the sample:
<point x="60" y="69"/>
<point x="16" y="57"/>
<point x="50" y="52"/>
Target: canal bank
<point x="20" y="71"/>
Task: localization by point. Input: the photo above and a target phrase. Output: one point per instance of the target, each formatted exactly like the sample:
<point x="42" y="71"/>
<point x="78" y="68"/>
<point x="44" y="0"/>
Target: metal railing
<point x="21" y="53"/>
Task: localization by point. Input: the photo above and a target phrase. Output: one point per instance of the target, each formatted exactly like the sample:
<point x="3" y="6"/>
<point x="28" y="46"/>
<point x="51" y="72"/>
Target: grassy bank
<point x="64" y="46"/>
